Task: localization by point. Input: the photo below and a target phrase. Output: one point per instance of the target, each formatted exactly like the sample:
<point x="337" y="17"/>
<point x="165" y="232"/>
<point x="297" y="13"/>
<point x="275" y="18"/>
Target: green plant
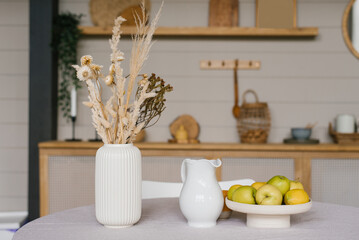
<point x="64" y="42"/>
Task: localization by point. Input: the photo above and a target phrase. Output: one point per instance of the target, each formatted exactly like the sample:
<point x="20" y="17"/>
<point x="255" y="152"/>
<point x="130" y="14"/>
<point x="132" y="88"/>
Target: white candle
<point x="73" y="102"/>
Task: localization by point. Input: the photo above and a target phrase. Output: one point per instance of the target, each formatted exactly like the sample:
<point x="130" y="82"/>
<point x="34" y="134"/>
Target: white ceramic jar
<point x="201" y="199"/>
<point x="118" y="183"/>
<point x="345" y="123"/>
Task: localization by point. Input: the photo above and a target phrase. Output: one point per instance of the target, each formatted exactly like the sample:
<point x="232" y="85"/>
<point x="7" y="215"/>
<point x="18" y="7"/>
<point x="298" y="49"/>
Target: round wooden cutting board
<point x="189" y="123"/>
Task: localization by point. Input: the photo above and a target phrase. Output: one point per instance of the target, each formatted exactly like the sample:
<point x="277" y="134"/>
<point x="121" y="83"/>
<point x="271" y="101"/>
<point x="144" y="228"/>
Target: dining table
<point x="161" y="218"/>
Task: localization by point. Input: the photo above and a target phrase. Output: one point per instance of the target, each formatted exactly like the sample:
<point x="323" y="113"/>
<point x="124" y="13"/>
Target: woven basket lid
<point x="104" y="12"/>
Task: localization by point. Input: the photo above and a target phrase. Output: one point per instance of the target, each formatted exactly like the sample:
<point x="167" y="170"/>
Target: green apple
<point x="269" y="195"/>
<point x="231" y="191"/>
<point x="245" y="194"/>
<point x="281" y="182"/>
<point x="296" y="185"/>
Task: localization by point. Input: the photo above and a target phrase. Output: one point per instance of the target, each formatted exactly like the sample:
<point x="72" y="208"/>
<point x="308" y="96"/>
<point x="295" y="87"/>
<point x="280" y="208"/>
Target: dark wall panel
<point x="43" y="91"/>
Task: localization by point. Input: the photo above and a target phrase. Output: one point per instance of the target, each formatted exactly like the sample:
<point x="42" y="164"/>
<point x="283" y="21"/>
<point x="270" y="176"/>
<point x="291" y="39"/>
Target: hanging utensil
<point x="236" y="109"/>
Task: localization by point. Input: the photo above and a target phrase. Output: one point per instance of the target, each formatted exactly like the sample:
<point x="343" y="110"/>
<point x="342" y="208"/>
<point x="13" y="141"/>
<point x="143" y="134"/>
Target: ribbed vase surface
<point x="118" y="182"/>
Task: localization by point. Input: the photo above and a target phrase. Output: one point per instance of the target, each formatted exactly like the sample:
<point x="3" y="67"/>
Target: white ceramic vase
<point x="118" y="183"/>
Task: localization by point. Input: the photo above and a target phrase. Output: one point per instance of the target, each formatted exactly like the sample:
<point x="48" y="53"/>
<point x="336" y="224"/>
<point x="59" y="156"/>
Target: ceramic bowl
<point x="301" y="133"/>
<point x="268" y="216"/>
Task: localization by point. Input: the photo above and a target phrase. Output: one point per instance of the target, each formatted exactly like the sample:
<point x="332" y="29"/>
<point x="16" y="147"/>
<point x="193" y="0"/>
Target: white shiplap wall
<point x="303" y="80"/>
<point x="14" y="54"/>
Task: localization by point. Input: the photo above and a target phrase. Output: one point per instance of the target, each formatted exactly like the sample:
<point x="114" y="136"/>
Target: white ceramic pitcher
<point x="201" y="199"/>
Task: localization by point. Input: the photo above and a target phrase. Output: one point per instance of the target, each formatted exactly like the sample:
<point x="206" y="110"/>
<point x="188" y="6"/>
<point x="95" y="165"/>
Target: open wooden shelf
<point x="209" y="31"/>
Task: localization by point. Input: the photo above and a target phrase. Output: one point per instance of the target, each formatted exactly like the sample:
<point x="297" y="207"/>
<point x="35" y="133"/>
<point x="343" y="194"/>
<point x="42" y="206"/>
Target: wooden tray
<point x="343" y="138"/>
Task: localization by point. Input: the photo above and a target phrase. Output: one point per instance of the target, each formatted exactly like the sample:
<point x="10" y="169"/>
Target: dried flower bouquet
<point x="118" y="121"/>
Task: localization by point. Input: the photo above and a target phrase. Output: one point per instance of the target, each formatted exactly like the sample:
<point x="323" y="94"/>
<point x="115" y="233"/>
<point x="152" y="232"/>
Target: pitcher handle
<point x="183" y="170"/>
<point x="216" y="162"/>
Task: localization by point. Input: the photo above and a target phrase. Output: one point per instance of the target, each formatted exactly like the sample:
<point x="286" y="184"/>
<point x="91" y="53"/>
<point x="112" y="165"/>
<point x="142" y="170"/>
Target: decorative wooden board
<point x="223" y="13"/>
<point x="104" y="12"/>
<point x="276" y="13"/>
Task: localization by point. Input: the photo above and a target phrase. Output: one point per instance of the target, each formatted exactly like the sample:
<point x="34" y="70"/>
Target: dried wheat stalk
<point x="116" y="120"/>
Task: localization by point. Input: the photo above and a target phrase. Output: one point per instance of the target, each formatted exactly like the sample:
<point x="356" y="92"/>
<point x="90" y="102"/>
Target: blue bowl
<point x="301" y="133"/>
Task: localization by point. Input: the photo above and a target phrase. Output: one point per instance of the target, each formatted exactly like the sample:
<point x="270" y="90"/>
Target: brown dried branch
<point x="152" y="107"/>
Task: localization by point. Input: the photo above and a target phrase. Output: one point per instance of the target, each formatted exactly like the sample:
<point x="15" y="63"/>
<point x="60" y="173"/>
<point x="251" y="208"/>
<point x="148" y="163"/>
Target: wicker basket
<point x="254" y="120"/>
<point x="343" y="138"/>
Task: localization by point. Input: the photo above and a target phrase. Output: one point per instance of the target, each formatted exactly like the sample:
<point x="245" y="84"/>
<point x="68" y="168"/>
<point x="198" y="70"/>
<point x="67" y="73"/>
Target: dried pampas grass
<point x="117" y="120"/>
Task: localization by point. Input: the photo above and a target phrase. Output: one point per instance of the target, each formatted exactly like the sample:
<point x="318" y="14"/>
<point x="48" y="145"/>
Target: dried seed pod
<point x="125" y="121"/>
<point x="120" y="58"/>
<point x="105" y="123"/>
<point x="109" y="80"/>
<point x="96" y="67"/>
<point x="112" y="112"/>
<point x="88" y="104"/>
<point x="143" y="81"/>
<point x="112" y="69"/>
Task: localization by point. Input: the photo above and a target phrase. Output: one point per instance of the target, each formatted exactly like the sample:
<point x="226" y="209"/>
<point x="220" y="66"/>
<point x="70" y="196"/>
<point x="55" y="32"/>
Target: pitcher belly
<point x="201" y="210"/>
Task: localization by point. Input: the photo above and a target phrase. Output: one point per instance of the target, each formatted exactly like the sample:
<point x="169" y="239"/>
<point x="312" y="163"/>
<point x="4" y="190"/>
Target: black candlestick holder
<point x="73" y="139"/>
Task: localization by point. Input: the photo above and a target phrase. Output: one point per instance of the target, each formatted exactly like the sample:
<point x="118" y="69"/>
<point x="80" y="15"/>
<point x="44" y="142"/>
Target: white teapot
<point x="201" y="199"/>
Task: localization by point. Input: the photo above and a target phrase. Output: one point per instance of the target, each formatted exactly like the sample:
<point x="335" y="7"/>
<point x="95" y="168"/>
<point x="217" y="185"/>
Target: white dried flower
<point x="86" y="60"/>
<point x="84" y="73"/>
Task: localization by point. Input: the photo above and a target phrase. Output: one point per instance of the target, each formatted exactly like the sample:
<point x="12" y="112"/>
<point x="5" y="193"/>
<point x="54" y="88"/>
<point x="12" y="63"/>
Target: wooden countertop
<point x="326" y="147"/>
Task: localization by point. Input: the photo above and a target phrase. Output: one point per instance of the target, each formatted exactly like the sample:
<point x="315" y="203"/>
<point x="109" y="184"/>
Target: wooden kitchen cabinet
<point x="67" y="168"/>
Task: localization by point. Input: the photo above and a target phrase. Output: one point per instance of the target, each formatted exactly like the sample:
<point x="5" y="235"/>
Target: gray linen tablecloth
<point x="162" y="219"/>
